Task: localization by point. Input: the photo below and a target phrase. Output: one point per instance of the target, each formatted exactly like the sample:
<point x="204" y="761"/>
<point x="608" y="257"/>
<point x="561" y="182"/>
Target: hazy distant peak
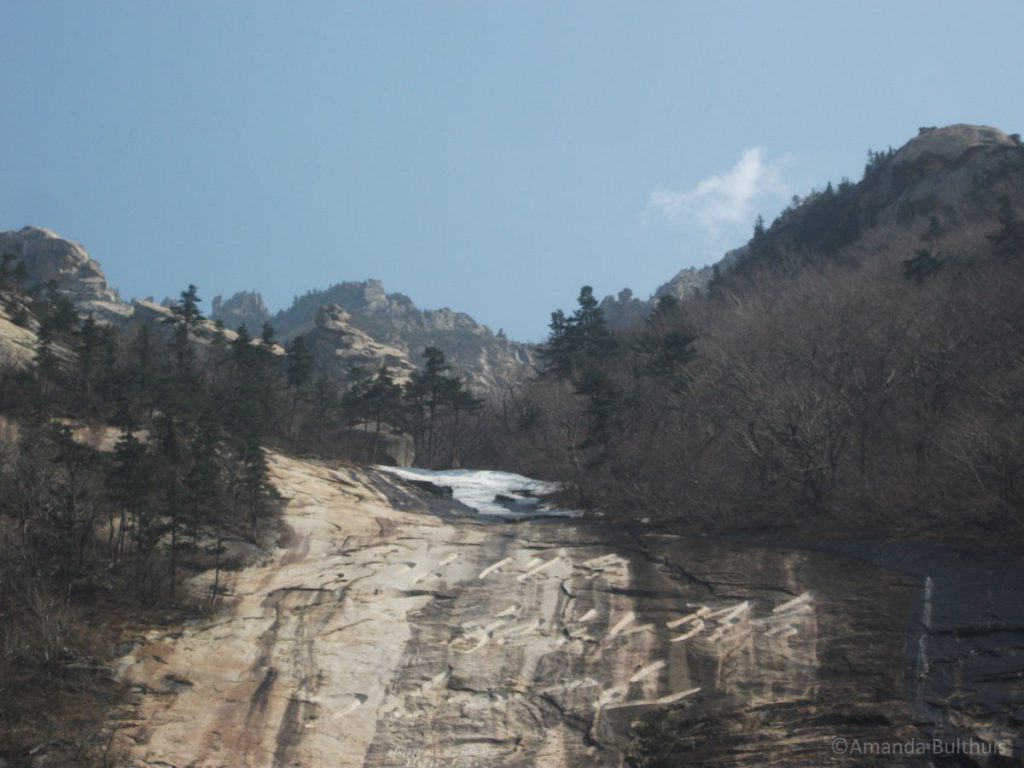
<point x="244" y="308"/>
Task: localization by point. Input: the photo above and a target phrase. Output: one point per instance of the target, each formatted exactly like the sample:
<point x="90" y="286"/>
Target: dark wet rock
<point x="441" y="491"/>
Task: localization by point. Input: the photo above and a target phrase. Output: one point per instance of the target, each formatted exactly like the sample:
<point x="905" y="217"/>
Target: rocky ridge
<point x="489" y="360"/>
<point x="350" y="324"/>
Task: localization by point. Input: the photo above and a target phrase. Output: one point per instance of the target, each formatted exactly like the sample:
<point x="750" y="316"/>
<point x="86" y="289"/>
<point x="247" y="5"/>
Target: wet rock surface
<point x="396" y="629"/>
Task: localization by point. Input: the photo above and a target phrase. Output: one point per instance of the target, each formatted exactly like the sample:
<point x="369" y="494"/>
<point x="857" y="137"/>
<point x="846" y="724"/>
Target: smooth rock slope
<point x="394" y="629"/>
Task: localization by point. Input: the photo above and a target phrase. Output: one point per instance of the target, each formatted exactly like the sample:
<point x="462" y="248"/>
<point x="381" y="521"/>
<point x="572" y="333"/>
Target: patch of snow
<point x="479" y="489"/>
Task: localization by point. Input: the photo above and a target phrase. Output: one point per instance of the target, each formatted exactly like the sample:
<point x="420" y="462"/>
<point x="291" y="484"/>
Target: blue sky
<point x="487" y="156"/>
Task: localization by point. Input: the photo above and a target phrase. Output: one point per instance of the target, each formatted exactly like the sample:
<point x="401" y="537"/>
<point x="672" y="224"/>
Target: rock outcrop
<point x="244" y="308"/>
<point x="48" y="258"/>
<point x="17" y="342"/>
<point x="488" y="360"/>
<point x="957" y="174"/>
<point x="340" y="349"/>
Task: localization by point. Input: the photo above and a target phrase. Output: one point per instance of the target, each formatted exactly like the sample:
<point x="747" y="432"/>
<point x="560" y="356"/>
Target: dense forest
<point x="817" y="383"/>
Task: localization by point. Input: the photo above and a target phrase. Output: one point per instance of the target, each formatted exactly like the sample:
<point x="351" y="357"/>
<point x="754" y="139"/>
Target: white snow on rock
<point x="480" y="489"/>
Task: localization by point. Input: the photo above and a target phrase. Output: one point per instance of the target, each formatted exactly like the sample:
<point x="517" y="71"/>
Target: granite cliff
<point x="50" y="260"/>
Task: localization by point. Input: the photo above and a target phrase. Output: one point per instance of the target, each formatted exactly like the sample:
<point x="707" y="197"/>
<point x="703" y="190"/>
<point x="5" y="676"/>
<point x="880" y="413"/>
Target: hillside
<point x="947" y="185"/>
<point x="859" y="361"/>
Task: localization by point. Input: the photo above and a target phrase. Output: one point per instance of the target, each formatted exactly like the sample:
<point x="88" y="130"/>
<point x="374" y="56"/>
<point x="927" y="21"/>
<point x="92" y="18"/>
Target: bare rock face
<point x="244" y="308"/>
<point x="17" y="343"/>
<point x="339" y="348"/>
<point x="957" y="174"/>
<point x="48" y="257"/>
<point x="950" y="143"/>
<point x="391" y="630"/>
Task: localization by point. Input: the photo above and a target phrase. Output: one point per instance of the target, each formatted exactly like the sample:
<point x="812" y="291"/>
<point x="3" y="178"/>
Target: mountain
<point x="51" y="260"/>
<point x="350" y="324"/>
<point x="489" y="360"/>
<point x="244" y="308"/>
<point x="340" y="348"/>
<point x="946" y="185"/>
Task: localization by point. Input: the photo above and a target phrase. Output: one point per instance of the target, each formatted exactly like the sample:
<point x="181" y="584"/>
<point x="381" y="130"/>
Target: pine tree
<point x="382" y="402"/>
<point x="87" y="354"/>
<point x="141" y="376"/>
<point x="204" y="482"/>
<point x="462" y="402"/>
<point x="578" y="341"/>
<point x="130" y="482"/>
<point x="171" y="445"/>
<point x="47" y="368"/>
<point x="186" y="318"/>
<point x="72" y="508"/>
<point x="324" y="410"/>
<point x="426" y="396"/>
<point x="254" y="484"/>
<point x="665" y="344"/>
<point x="299" y="368"/>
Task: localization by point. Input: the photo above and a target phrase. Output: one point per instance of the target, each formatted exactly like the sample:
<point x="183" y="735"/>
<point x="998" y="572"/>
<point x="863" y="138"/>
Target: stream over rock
<point x="394" y="628"/>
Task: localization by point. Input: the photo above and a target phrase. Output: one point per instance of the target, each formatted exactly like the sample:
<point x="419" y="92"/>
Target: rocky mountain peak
<point x="244" y="308"/>
<point x="49" y="258"/>
<point x="340" y="348"/>
<point x="331" y="317"/>
<point x="951" y="142"/>
<point x="489" y="361"/>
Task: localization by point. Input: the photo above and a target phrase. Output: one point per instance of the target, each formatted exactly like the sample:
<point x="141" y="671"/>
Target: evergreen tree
<point x="204" y="483"/>
<point x="87" y="357"/>
<point x="578" y="341"/>
<point x="462" y="402"/>
<point x="171" y="445"/>
<point x="324" y="410"/>
<point x="186" y="318"/>
<point x="47" y="369"/>
<point x="1009" y="241"/>
<point x="665" y="344"/>
<point x="426" y="395"/>
<point x="72" y="508"/>
<point x="130" y="484"/>
<point x="141" y="376"/>
<point x="299" y="364"/>
<point x="382" y="402"/>
<point x="254" y="486"/>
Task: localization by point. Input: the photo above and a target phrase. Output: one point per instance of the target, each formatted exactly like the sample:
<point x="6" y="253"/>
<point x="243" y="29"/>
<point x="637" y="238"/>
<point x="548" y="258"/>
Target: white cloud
<point x="724" y="200"/>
